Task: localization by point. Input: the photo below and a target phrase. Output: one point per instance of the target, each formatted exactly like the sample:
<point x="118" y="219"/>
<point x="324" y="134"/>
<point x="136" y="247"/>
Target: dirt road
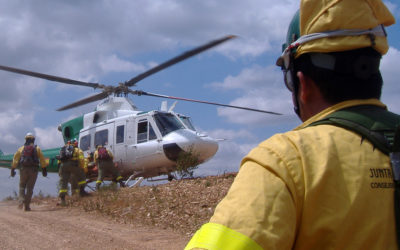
<point x="49" y="226"/>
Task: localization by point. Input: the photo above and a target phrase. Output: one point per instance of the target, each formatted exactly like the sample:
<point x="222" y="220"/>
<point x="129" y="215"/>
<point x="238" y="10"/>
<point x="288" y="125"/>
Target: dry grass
<point x="181" y="205"/>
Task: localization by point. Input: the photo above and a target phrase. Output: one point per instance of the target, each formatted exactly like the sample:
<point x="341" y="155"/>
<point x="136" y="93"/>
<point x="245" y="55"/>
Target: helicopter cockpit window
<point x="152" y="134"/>
<point x="145" y="132"/>
<point x="188" y="122"/>
<point x="85" y="142"/>
<point x="120" y="134"/>
<point x="101" y="137"/>
<point x="167" y="123"/>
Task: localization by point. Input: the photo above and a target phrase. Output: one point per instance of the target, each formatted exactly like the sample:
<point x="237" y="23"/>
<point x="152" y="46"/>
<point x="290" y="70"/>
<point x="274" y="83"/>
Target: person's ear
<point x="306" y="87"/>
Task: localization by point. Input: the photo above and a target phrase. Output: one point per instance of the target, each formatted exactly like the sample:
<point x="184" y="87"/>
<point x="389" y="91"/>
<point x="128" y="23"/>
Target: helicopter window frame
<point x="120" y="134"/>
<point x="187" y="121"/>
<point x="101" y="137"/>
<point x="84" y="142"/>
<point x="145" y="131"/>
<point x="142" y="130"/>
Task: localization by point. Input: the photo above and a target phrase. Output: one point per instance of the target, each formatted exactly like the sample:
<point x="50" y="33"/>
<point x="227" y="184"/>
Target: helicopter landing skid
<point x="132" y="178"/>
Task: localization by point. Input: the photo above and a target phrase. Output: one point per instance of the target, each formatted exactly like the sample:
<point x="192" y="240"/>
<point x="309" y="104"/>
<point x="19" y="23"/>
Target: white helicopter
<point x="145" y="144"/>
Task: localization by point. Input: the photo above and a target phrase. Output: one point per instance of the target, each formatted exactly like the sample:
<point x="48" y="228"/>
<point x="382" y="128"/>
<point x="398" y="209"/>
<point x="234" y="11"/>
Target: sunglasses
<point x="285" y="62"/>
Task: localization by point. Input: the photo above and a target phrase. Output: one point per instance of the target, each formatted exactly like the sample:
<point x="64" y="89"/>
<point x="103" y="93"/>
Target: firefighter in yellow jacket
<point x="71" y="164"/>
<point x="78" y="187"/>
<point x="28" y="158"/>
<point x="318" y="186"/>
<point x="104" y="161"/>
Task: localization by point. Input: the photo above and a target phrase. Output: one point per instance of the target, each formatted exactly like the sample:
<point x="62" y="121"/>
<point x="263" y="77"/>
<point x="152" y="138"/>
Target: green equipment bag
<point x="382" y="129"/>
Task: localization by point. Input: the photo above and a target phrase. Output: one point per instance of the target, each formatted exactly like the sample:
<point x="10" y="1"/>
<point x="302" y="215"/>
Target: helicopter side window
<point x="101" y="137"/>
<point x="85" y="142"/>
<point x="120" y="134"/>
<point x="142" y="131"/>
<point x="167" y="123"/>
<point x="145" y="132"/>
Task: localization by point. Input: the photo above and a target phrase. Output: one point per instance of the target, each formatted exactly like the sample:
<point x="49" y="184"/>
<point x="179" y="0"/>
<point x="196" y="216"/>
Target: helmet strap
<point x="295" y="84"/>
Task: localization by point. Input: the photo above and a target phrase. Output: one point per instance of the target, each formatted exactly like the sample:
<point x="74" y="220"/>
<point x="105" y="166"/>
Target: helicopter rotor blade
<point x="49" y="77"/>
<point x="139" y="92"/>
<point x="86" y="100"/>
<point x="177" y="59"/>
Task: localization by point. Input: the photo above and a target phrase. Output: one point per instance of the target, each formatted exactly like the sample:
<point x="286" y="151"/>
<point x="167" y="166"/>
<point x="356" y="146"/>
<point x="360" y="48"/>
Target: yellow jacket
<point x="79" y="156"/>
<point x="96" y="156"/>
<point x="320" y="187"/>
<point x="17" y="157"/>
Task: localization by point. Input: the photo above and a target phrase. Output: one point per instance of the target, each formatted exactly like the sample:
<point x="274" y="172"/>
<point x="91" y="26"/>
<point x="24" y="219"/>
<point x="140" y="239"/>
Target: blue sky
<point x="113" y="41"/>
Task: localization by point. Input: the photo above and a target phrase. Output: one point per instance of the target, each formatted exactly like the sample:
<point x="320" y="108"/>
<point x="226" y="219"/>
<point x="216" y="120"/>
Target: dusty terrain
<point x="158" y="217"/>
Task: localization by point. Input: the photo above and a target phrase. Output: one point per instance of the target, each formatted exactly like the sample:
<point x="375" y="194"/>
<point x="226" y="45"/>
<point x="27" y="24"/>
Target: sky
<point x="112" y="41"/>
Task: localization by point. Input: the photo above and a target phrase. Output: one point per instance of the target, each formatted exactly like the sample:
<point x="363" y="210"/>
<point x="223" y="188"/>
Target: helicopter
<point x="145" y="144"/>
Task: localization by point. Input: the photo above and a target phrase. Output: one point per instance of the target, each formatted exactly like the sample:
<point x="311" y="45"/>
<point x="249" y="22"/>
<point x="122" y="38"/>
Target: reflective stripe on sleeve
<point x="63" y="191"/>
<point x="81" y="183"/>
<point x="216" y="236"/>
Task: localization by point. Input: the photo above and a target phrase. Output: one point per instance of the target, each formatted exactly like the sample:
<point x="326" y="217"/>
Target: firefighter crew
<point x="104" y="161"/>
<point x="318" y="186"/>
<point x="28" y="158"/>
<point x="71" y="163"/>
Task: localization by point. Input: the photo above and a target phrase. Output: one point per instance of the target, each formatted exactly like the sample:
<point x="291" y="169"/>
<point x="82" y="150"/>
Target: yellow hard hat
<point x="318" y="16"/>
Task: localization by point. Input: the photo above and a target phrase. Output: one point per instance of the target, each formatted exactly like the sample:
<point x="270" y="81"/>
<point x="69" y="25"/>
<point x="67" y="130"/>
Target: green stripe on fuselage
<point x="50" y="154"/>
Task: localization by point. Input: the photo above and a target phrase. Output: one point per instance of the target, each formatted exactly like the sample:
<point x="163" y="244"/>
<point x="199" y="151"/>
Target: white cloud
<point x="391" y="75"/>
<point x="231" y="134"/>
<point x="13" y="127"/>
<point x="113" y="63"/>
<point x="48" y="137"/>
<point x="260" y="88"/>
<point x="392" y="7"/>
<point x="227" y="159"/>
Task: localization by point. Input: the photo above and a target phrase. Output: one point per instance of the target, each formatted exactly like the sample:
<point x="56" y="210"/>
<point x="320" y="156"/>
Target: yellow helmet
<point x="346" y="18"/>
<point x="333" y="26"/>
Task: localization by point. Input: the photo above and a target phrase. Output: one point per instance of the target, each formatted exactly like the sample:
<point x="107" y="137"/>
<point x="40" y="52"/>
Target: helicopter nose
<point x="201" y="146"/>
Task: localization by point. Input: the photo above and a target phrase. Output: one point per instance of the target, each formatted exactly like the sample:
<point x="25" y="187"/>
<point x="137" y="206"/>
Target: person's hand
<point x="13" y="172"/>
<point x="44" y="172"/>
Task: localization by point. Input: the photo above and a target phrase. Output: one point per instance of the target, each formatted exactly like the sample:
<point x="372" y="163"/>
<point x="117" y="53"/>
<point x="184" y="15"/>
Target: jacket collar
<point x="339" y="106"/>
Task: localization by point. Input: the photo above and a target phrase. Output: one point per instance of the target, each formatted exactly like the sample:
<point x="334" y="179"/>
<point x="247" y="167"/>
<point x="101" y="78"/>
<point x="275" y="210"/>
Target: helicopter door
<point x="120" y="145"/>
<point x="148" y="147"/>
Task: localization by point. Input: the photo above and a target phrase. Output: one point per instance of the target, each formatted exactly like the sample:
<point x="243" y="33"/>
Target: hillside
<point x="180" y="205"/>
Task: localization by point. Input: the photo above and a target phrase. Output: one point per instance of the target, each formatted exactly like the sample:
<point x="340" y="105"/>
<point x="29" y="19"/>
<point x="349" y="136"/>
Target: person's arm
<point x="81" y="159"/>
<point x="110" y="154"/>
<point x="42" y="160"/>
<point x="96" y="157"/>
<point x="16" y="158"/>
